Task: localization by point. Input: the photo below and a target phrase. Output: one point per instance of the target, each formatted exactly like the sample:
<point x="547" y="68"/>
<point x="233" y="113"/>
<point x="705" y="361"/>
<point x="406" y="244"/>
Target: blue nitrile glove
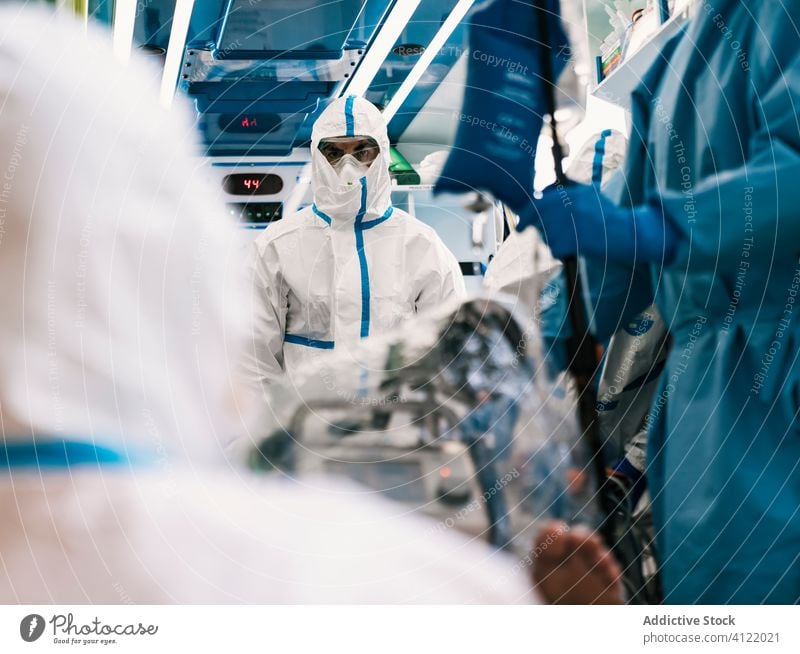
<point x="578" y="220"/>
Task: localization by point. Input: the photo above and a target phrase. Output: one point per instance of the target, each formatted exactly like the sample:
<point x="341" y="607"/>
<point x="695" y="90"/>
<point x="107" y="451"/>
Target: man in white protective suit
<point x="122" y="319"/>
<point x="350" y="265"/>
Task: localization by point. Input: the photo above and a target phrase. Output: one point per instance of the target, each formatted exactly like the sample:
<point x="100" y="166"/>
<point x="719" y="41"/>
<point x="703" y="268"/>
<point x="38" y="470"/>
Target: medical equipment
<point x="451" y="416"/>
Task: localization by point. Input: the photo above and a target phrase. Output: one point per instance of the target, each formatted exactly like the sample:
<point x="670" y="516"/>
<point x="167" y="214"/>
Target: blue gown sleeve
<point x="754" y="208"/>
<point x="614" y="294"/>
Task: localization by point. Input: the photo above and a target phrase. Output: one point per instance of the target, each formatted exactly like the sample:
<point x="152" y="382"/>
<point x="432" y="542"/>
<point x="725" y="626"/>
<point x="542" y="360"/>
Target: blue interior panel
<point x="282" y="61"/>
<point x="289" y="28"/>
<point x="154" y="23"/>
<point x="423" y="26"/>
<point x="101" y="10"/>
<point x="256" y="118"/>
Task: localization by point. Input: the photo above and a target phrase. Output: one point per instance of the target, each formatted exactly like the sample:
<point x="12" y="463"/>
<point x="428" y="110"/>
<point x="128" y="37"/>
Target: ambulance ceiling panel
<point x="260" y="71"/>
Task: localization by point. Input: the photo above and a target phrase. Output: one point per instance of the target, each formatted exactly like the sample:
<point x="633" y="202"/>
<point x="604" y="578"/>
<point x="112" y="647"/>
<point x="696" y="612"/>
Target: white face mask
<point x="350" y="169"/>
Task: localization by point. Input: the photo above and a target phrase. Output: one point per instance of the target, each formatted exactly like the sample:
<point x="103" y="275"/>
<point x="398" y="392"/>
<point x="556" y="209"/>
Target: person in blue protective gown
<point x="705" y="220"/>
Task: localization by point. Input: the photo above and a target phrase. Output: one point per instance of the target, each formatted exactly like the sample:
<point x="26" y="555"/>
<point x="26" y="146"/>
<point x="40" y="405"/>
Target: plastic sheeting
<point x="467" y="378"/>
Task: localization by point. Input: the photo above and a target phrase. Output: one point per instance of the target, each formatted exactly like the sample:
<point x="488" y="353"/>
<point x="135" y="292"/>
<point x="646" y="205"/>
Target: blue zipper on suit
<point x="362" y="260"/>
<point x="359" y="227"/>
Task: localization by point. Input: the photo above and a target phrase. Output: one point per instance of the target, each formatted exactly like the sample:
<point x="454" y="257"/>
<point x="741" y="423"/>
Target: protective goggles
<point x="363" y="148"/>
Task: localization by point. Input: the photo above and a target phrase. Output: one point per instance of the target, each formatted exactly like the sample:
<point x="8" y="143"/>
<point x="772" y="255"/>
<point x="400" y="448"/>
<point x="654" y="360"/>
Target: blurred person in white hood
<point x="120" y="323"/>
<point x="349" y="265"/>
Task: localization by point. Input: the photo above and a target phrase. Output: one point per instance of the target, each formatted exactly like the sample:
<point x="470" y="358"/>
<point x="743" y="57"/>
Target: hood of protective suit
<point x="350" y="116"/>
<point x="599" y="158"/>
<point x="119" y="318"/>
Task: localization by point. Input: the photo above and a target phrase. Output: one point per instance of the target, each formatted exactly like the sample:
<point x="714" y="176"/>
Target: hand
<point x="572" y="566"/>
<point x="578" y="219"/>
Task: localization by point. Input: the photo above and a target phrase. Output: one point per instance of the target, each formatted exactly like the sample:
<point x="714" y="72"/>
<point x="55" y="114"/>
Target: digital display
<point x="252" y="184"/>
<point x="249" y="123"/>
<point x="256" y="212"/>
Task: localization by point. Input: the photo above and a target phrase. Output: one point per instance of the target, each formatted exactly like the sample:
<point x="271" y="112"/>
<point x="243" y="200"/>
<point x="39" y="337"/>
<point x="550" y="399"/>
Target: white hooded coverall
<point x="122" y="323"/>
<point x="348" y="266"/>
